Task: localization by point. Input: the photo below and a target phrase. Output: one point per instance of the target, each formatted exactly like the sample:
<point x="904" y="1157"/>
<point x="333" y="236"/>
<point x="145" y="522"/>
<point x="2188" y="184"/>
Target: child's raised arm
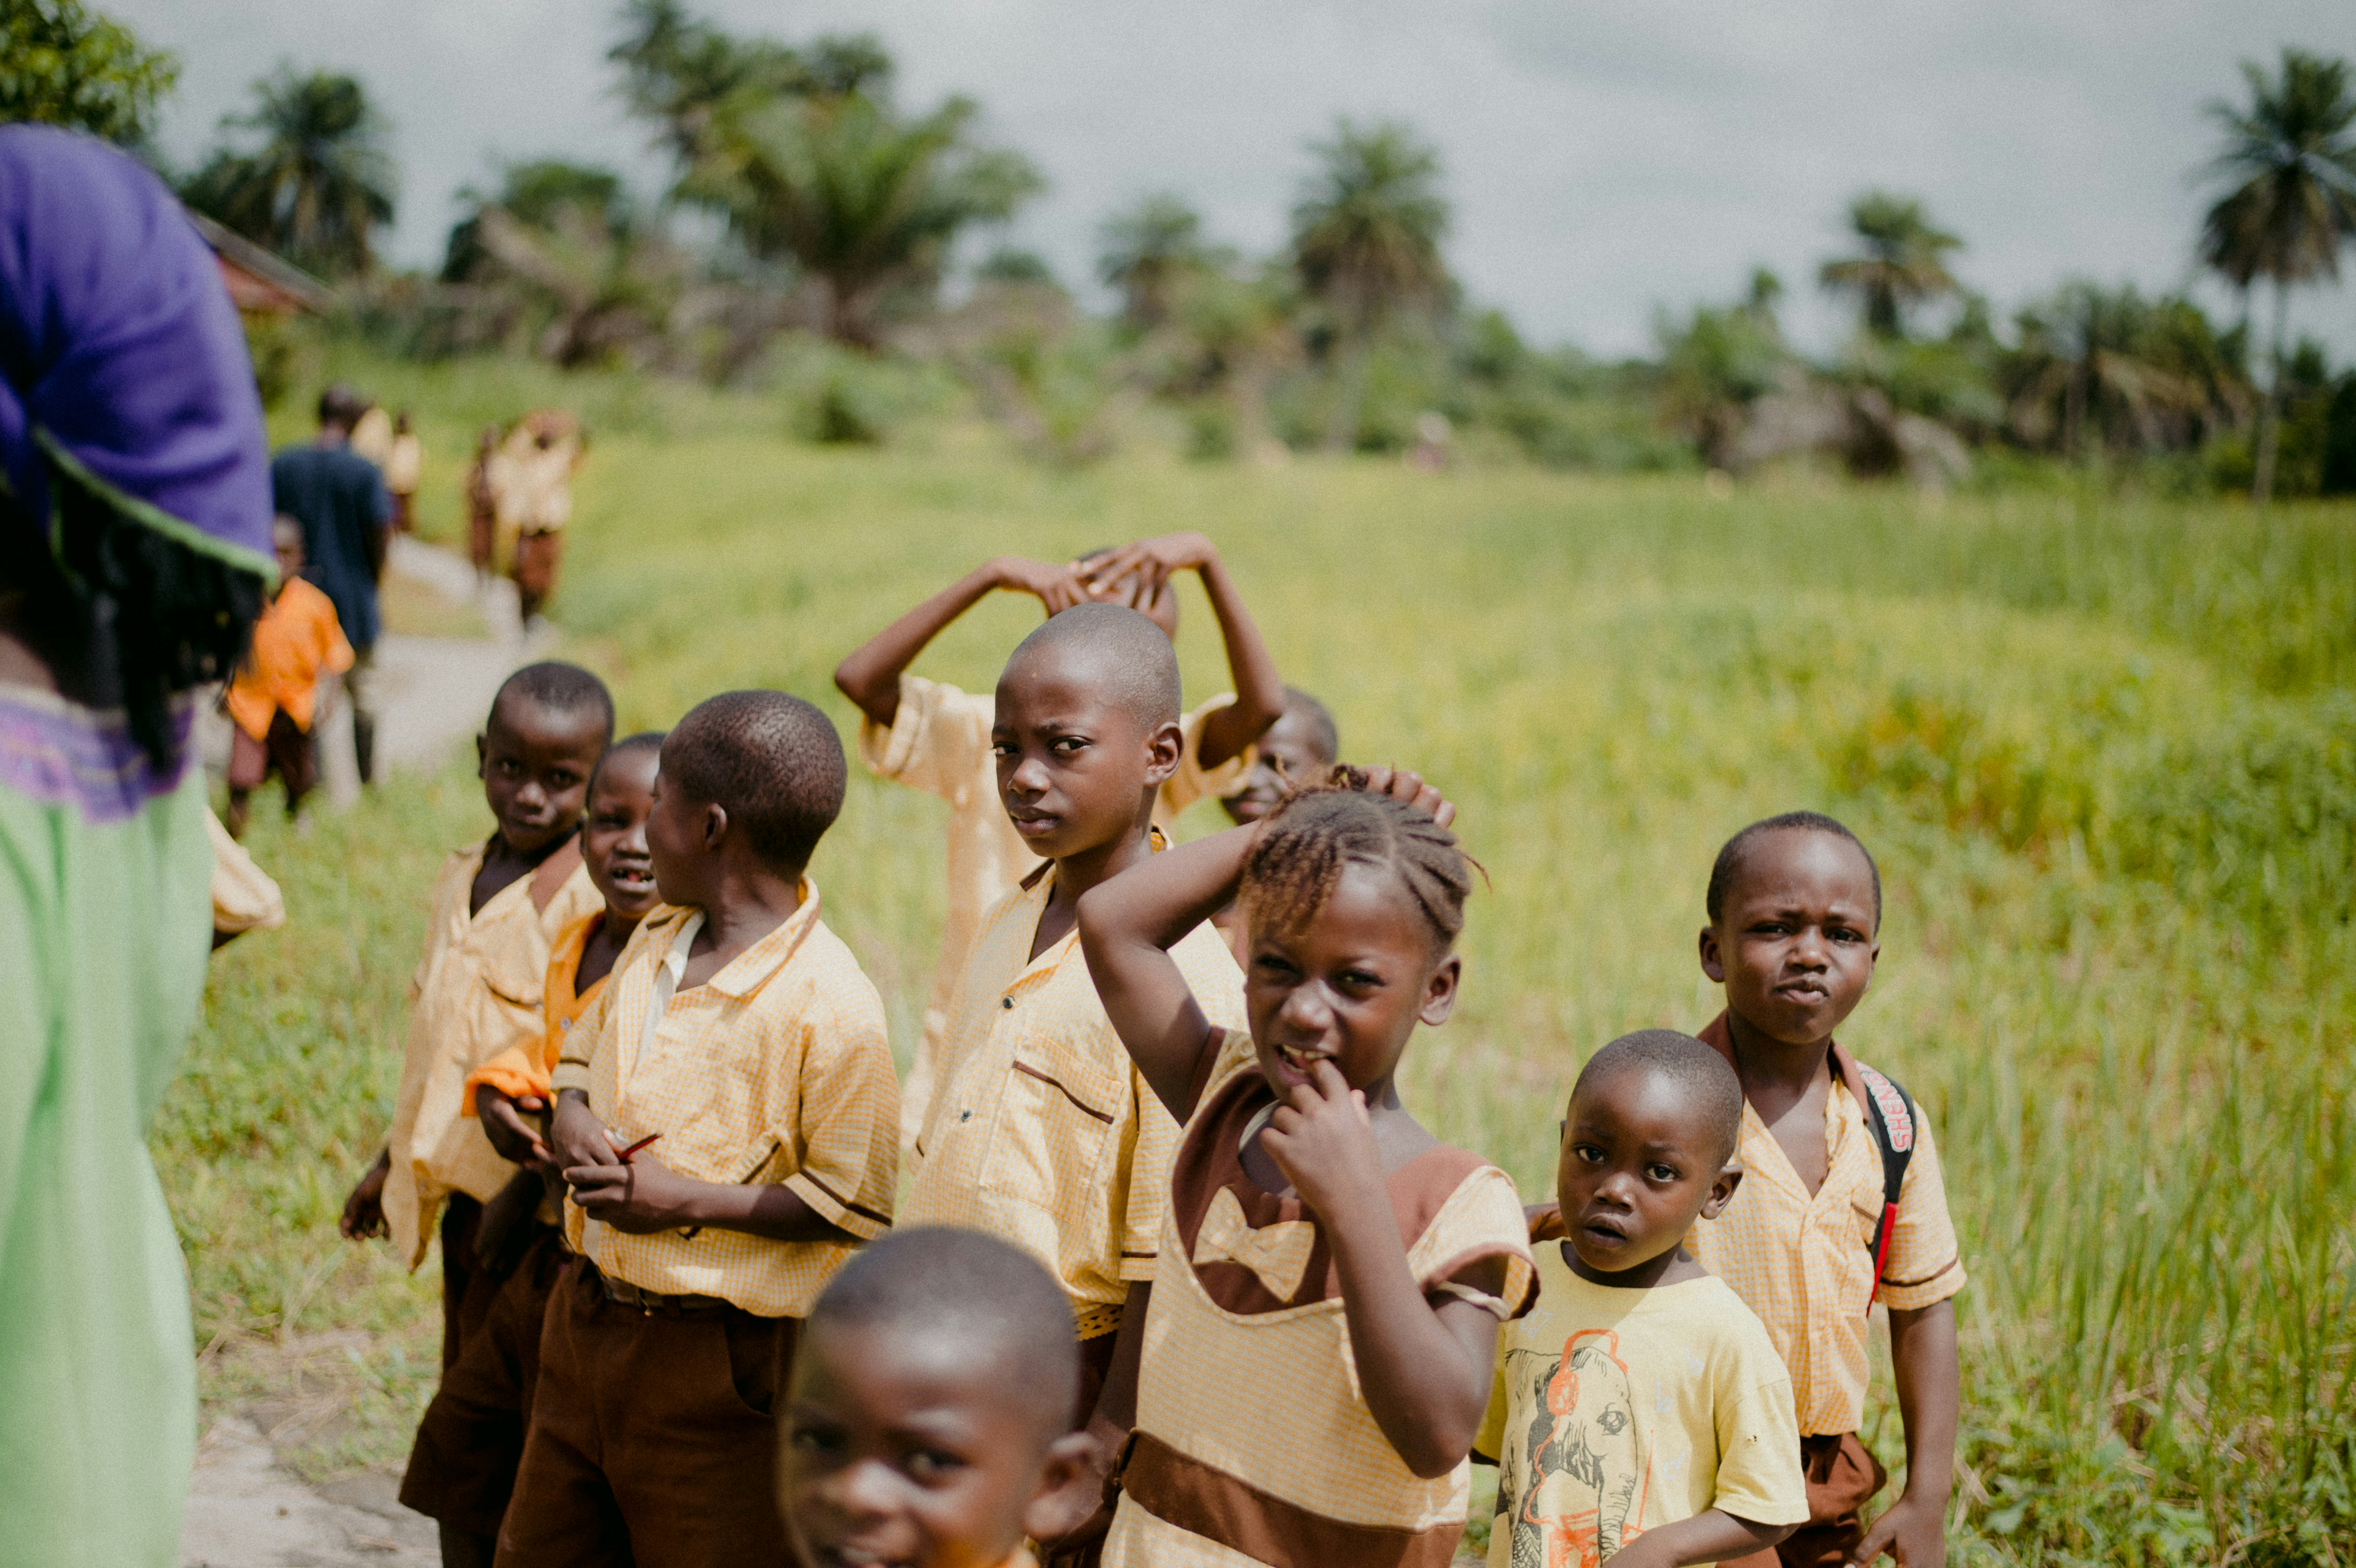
<point x="1260" y="689"/>
<point x="871" y="676"/>
<point x="1128" y="924"/>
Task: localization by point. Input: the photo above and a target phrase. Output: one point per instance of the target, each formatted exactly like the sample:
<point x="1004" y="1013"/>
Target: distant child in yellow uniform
<point x="933" y="736"/>
<point x="1042" y="1132"/>
<point x="498" y="910"/>
<point x="275" y="695"/>
<point x="462" y="1468"/>
<point x="1331" y="1277"/>
<point x="1842" y="1200"/>
<point x="928" y="1423"/>
<point x="728" y="1125"/>
<point x="1639" y="1413"/>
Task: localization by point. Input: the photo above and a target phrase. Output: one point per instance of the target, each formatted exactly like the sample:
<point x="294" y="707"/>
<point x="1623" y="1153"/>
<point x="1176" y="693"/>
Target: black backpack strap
<point x="1890" y="1115"/>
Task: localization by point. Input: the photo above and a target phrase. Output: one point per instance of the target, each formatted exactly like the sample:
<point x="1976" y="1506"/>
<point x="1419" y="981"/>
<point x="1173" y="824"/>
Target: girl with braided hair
<point x="1331" y="1277"/>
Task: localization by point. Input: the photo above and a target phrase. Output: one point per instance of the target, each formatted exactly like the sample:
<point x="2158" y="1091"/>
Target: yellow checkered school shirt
<point x="1041" y="1132"/>
<point x="938" y="741"/>
<point x="1801" y="1262"/>
<point x="776" y="1069"/>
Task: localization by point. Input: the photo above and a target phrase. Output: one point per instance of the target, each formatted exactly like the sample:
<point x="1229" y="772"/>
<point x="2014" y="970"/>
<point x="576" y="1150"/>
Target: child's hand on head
<point x="1144" y="564"/>
<point x="1322" y="1142"/>
<point x="1400" y="784"/>
<point x="1057" y="588"/>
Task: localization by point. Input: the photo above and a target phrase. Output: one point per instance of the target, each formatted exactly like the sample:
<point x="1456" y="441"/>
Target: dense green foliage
<point x="60" y="64"/>
<point x="310" y="179"/>
<point x="2105" y="749"/>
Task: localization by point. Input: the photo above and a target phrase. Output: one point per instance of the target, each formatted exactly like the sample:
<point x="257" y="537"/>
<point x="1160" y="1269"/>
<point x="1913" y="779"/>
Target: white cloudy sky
<point x="1604" y="159"/>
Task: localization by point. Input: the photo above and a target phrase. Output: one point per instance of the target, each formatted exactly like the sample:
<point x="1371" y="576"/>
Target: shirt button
<point x="1006" y="1002"/>
<point x="965" y="1115"/>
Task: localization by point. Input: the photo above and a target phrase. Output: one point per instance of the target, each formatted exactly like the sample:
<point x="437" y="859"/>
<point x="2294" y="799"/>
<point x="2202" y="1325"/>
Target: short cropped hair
<point x="644" y="740"/>
<point x="556" y="687"/>
<point x="1737" y="850"/>
<point x="771" y="761"/>
<point x="1703" y="1080"/>
<point x="1300" y="705"/>
<point x="343" y="404"/>
<point x="929" y="1280"/>
<point x="1298" y="859"/>
<point x="1135" y="664"/>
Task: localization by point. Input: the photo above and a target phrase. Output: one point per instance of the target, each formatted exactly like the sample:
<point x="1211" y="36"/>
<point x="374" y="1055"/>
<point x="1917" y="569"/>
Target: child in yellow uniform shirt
<point x="930" y="735"/>
<point x="727" y="1122"/>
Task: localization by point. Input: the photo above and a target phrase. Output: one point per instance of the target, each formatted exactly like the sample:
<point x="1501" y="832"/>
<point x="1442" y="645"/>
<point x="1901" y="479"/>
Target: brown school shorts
<point x="1843" y="1476"/>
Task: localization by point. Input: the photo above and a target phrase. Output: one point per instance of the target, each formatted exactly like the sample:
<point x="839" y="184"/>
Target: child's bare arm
<point x="363" y="1216"/>
<point x="1260" y="689"/>
<point x="1425" y="1370"/>
<point x="1128" y="924"/>
<point x="646" y="1194"/>
<point x="1712" y="1535"/>
<point x="1930" y="1398"/>
<point x="871" y="676"/>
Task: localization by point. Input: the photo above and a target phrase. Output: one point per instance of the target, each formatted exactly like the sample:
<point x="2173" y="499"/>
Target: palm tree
<point x="864" y="200"/>
<point x="2104" y="367"/>
<point x="319" y="181"/>
<point x="1149" y="252"/>
<point x="1366" y="238"/>
<point x="2292" y="163"/>
<point x="1903" y="264"/>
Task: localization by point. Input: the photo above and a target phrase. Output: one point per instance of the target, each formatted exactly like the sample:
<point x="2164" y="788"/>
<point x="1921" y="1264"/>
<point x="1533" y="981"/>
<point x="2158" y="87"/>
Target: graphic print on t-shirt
<point x="1581" y="1468"/>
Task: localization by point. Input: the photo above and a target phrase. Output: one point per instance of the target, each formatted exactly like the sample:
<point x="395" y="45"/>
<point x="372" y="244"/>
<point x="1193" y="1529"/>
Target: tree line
<point x="805" y="198"/>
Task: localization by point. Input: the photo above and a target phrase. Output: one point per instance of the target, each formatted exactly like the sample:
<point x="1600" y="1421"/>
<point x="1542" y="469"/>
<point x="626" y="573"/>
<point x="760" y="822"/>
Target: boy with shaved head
<point x="1041" y="1131"/>
<point x="728" y="1125"/>
<point x="928" y="1420"/>
<point x="933" y="736"/>
<point x="1639" y="1413"/>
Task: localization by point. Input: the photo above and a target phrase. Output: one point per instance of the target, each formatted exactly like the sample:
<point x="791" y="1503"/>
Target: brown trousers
<point x="652" y="1442"/>
<point x="462" y="1468"/>
<point x="1843" y="1474"/>
<point x="536" y="556"/>
<point x="287" y="751"/>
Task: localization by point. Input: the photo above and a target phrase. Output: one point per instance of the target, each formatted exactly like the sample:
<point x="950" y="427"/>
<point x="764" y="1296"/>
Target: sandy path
<point x="245" y="1509"/>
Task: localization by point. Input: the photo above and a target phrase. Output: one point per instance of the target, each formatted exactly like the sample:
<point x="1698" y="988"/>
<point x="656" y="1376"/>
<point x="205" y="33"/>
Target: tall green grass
<point x="2103" y="749"/>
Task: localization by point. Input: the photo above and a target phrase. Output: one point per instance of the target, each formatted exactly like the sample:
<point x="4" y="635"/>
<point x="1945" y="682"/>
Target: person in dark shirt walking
<point x="345" y="513"/>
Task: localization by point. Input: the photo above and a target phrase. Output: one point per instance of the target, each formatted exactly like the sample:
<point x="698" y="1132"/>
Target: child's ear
<point x="716" y="826"/>
<point x="1164" y="748"/>
<point x="1440" y="992"/>
<point x="482" y="753"/>
<point x="1070" y="1486"/>
<point x="1713" y="961"/>
<point x="1721" y="1192"/>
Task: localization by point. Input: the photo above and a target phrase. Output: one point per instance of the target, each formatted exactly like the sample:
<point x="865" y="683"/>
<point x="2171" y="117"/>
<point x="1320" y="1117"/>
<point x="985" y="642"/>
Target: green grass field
<point x="2105" y="748"/>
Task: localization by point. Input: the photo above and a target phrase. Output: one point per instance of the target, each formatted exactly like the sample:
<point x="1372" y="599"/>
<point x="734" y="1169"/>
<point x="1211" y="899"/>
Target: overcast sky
<point x="1603" y="160"/>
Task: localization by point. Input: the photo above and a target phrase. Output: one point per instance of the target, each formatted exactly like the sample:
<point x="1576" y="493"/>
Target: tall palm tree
<point x="319" y="181"/>
<point x="1366" y="238"/>
<point x="2291" y="160"/>
<point x="1903" y="264"/>
<point x="863" y="198"/>
<point x="1148" y="251"/>
<point x="2103" y="367"/>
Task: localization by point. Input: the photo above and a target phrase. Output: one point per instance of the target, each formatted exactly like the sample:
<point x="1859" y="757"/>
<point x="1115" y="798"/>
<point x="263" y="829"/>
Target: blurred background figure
<point x="340" y="499"/>
<point x="482" y="503"/>
<point x="389" y="442"/>
<point x="135" y="555"/>
<point x="527" y="484"/>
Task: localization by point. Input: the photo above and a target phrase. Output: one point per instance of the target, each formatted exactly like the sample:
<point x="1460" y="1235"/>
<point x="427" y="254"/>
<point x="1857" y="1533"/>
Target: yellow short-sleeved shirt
<point x="476" y="992"/>
<point x="776" y="1069"/>
<point x="938" y="741"/>
<point x="1042" y="1132"/>
<point x="1804" y="1261"/>
<point x="1617" y="1412"/>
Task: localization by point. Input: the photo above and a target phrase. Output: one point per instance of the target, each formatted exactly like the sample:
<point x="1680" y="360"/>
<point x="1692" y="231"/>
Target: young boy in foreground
<point x="933" y="736"/>
<point x="728" y="1125"/>
<point x="1640" y="1415"/>
<point x="276" y="694"/>
<point x="1042" y="1132"/>
<point x="928" y="1422"/>
<point x="1794" y="906"/>
<point x="498" y="910"/>
<point x="462" y="1469"/>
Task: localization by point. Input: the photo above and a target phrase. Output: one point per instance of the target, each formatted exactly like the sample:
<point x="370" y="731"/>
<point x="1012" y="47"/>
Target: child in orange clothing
<point x="462" y="1469"/>
<point x="275" y="693"/>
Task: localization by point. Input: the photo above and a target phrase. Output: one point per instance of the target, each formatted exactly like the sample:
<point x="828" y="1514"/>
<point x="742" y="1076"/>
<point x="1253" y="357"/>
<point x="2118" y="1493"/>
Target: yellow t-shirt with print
<point x="1615" y="1412"/>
